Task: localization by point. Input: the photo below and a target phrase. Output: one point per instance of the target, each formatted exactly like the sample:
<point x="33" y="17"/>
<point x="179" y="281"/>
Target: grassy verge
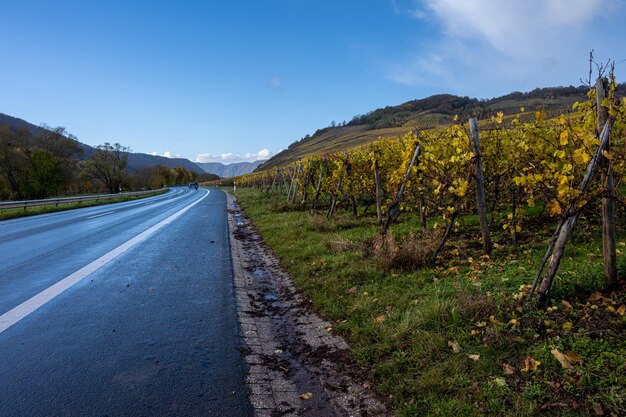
<point x="51" y="208"/>
<point x="455" y="339"/>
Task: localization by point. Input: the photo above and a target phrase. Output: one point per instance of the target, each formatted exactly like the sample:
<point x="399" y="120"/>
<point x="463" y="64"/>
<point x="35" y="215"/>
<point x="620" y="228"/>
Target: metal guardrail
<point x="56" y="201"/>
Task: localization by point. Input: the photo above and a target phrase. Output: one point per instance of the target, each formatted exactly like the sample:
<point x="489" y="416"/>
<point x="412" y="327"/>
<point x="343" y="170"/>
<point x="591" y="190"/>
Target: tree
<point x="109" y="166"/>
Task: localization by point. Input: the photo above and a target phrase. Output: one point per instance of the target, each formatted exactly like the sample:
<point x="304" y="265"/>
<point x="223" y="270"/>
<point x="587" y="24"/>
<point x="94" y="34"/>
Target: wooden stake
<point x="481" y="200"/>
<point x="608" y="203"/>
<point x="571" y="216"/>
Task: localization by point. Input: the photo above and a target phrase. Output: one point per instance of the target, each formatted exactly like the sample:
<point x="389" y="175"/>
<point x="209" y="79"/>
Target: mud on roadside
<point x="296" y="365"/>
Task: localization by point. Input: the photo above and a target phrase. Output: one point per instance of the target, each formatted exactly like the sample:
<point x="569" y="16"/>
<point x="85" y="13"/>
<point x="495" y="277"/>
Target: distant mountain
<point x="230" y="170"/>
<point x="135" y="160"/>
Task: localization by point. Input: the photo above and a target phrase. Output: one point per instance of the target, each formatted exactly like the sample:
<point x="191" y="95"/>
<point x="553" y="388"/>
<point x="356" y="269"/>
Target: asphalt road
<point x="153" y="332"/>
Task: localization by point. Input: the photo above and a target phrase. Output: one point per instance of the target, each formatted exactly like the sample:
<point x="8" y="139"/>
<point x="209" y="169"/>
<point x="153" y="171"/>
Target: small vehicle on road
<point x="193" y="185"/>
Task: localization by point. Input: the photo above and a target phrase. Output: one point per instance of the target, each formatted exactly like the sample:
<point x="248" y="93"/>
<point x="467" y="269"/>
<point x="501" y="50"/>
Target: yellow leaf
<point x="621" y="310"/>
<point x="306" y="396"/>
<point x="481" y="324"/>
<point x="474" y="357"/>
<point x="554" y="208"/>
<point x="581" y="156"/>
<point x="530" y="364"/>
<point x="563" y="139"/>
<point x="565" y="363"/>
<point x="567" y="326"/>
<point x="380" y="319"/>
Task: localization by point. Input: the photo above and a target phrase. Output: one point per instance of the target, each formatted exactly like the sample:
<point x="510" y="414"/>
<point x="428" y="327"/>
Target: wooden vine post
<point x="566" y="226"/>
<point x="394" y="210"/>
<point x="608" y="203"/>
<point x="379" y="193"/>
<point x="481" y="200"/>
<point x="318" y="188"/>
<point x="333" y="202"/>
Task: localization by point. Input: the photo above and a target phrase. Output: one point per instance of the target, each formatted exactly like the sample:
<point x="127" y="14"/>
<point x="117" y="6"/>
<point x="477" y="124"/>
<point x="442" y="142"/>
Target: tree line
<point x="50" y="163"/>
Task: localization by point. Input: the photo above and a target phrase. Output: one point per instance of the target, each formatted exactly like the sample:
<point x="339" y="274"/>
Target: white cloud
<point x="513" y="26"/>
<point x="166" y="154"/>
<point x="504" y="44"/>
<point x="229" y="157"/>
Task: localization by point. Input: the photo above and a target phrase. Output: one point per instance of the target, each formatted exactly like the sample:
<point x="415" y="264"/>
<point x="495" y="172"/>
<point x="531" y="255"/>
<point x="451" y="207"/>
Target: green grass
<point x="399" y="323"/>
<point x="6" y="214"/>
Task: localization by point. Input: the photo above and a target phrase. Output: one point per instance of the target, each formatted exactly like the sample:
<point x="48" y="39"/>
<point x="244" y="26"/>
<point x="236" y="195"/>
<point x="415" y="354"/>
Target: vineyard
<point x="498" y="169"/>
<point x="436" y="254"/>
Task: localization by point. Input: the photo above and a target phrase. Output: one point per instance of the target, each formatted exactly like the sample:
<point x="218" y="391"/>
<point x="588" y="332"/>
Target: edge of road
<point x="295" y="365"/>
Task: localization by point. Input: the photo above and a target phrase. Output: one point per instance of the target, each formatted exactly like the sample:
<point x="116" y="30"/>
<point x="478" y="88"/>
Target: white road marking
<point x="11" y="317"/>
<point x="100" y="215"/>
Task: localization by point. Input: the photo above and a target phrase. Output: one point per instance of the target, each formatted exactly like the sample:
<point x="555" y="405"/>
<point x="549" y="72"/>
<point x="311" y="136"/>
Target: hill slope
<point x="427" y="113"/>
<point x="135" y="160"/>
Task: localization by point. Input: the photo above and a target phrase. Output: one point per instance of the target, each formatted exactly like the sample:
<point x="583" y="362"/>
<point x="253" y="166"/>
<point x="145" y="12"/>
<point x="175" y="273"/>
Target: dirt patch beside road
<point x="296" y="365"/>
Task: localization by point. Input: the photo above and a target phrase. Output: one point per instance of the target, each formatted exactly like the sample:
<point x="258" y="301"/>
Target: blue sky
<point x="232" y="80"/>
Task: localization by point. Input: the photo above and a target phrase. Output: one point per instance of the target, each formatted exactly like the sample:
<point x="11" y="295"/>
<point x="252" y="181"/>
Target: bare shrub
<point x="337" y="244"/>
<point x="475" y="306"/>
<point x="413" y="252"/>
<point x="320" y="223"/>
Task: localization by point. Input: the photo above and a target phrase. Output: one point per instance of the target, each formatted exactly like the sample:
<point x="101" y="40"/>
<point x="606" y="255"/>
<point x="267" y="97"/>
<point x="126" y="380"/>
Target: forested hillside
<point x="41" y="162"/>
<point x="136" y="161"/>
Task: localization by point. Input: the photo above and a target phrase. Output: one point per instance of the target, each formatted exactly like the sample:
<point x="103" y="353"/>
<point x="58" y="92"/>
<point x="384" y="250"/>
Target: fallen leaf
<point x="494" y="320"/>
<point x="500" y="382"/>
<point x="567" y="326"/>
<point x="306" y="396"/>
<point x="621" y="310"/>
<point x="530" y="364"/>
<point x="508" y="369"/>
<point x="456" y="348"/>
<point x="352" y="290"/>
<point x="513" y="322"/>
<point x="380" y="319"/>
<point x="367" y="385"/>
<point x="596" y="296"/>
<point x="565" y="363"/>
<point x="328" y="328"/>
<point x="474" y="332"/>
<point x="278" y="351"/>
<point x="481" y="324"/>
<point x="597" y="408"/>
<point x="566" y="306"/>
<point x="573" y="358"/>
<point x="474" y="357"/>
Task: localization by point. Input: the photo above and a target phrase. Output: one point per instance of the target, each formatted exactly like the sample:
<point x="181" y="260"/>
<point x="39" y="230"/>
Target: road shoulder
<point x="296" y="365"/>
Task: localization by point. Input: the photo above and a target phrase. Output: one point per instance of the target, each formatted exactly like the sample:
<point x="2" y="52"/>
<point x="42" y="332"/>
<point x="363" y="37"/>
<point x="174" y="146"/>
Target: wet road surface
<point x="153" y="332"/>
